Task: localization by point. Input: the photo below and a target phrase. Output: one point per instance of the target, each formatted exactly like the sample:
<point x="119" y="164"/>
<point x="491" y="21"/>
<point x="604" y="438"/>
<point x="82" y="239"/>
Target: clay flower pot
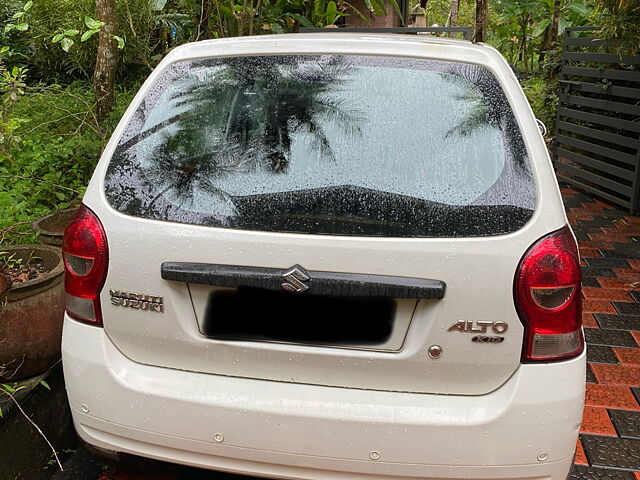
<point x="51" y="227"/>
<point x="31" y="315"/>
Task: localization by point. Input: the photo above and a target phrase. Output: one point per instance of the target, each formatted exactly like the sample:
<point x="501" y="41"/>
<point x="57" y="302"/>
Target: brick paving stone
<point x="635" y="263"/>
<point x="589" y="321"/>
<point x="627" y="308"/>
<point x="636" y="336"/>
<point x="590" y="282"/>
<point x="618" y="322"/>
<point x="610" y="396"/>
<point x="590" y="252"/>
<point x="606" y="294"/>
<point x="617" y="374"/>
<point x="628" y="250"/>
<point x="594" y="473"/>
<point x="627" y="274"/>
<point x="599" y="245"/>
<point x="627" y="423"/>
<point x="602" y="354"/>
<point x="616" y="453"/>
<point x="611" y="338"/>
<point x="598" y="306"/>
<point x="598" y="272"/>
<point x="590" y="377"/>
<point x="635" y="294"/>
<point x="596" y="421"/>
<point x="607" y="262"/>
<point x="616" y="283"/>
<point x="628" y="232"/>
<point x="609" y="237"/>
<point x="581" y="458"/>
<point x="636" y="392"/>
<point x="628" y="355"/>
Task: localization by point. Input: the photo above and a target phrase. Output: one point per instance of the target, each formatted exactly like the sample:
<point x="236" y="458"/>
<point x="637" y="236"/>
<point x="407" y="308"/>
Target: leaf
<point x="542" y="25"/>
<point x="158" y="5"/>
<point x="92" y="24"/>
<point x="17" y="15"/>
<point x="301" y="20"/>
<point x="71" y="33"/>
<point x="8" y="388"/>
<point x="60" y="195"/>
<point x="578" y="8"/>
<point x="226" y="11"/>
<point x="66" y="44"/>
<point x="27" y="6"/>
<point x="22" y="27"/>
<point x="276" y="28"/>
<point x="45" y="384"/>
<point x="57" y="38"/>
<point x="369" y="5"/>
<point x="87" y="35"/>
<point x="332" y="10"/>
<point x="120" y="41"/>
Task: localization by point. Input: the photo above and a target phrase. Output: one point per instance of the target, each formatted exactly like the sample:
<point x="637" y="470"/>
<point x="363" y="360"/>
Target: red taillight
<point x="548" y="298"/>
<point x="85" y="255"/>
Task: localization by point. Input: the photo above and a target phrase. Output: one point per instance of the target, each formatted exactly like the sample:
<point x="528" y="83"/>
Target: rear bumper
<point x="296" y="431"/>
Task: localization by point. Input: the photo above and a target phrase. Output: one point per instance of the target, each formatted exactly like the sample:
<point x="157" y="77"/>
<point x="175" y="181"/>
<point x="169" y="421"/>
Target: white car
<point x="328" y="256"/>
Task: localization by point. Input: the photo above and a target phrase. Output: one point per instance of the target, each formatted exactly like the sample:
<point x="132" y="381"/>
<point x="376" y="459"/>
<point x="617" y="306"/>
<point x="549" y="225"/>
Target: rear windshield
<point x="326" y="144"/>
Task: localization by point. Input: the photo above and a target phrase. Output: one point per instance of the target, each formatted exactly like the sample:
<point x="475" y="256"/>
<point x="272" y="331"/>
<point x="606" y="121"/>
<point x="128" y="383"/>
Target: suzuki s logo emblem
<point x="295" y="278"/>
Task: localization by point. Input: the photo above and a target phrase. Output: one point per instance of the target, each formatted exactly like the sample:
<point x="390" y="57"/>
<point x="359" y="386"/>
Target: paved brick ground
<point x="609" y="445"/>
<point x="609" y="240"/>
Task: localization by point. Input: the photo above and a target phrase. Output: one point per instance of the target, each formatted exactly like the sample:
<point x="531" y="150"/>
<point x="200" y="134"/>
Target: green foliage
<point x="60" y="42"/>
<point x="619" y="20"/>
<point x="517" y="27"/>
<point x="543" y="96"/>
<point x="226" y="18"/>
<point x="50" y="162"/>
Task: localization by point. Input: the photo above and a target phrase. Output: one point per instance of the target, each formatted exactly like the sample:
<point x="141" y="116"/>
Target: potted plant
<point x="51" y="227"/>
<point x="31" y="309"/>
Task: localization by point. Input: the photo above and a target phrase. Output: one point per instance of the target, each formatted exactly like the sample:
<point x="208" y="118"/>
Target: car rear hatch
<point x="346" y="220"/>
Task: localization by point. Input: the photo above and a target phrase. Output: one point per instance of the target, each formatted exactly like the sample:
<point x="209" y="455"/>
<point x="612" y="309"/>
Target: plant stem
<point x="39" y="180"/>
<point x="36" y="427"/>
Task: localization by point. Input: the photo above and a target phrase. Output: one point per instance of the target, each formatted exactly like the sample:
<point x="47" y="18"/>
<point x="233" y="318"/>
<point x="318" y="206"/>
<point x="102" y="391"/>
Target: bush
<point x="55" y="150"/>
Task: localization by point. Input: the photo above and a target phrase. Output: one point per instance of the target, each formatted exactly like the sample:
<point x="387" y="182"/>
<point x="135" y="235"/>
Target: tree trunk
<point x="203" y="24"/>
<point x="482" y="15"/>
<point x="453" y="17"/>
<point x="551" y="33"/>
<point x="104" y="77"/>
<point x="523" y="54"/>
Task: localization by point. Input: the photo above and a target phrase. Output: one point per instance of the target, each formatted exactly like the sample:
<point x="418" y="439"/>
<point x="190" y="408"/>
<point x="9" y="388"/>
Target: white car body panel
<point x="465" y="368"/>
<point x="294" y="431"/>
<point x="151" y="384"/>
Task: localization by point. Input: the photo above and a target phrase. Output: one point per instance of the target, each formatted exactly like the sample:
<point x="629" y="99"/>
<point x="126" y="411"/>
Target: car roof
<point x="340" y="43"/>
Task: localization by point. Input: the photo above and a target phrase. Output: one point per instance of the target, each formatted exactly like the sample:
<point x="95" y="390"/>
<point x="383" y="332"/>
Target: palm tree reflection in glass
<point x="243" y="116"/>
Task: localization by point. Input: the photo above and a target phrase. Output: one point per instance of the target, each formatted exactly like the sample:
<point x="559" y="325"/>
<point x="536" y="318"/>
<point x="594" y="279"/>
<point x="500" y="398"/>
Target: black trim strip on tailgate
<point x="298" y="280"/>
